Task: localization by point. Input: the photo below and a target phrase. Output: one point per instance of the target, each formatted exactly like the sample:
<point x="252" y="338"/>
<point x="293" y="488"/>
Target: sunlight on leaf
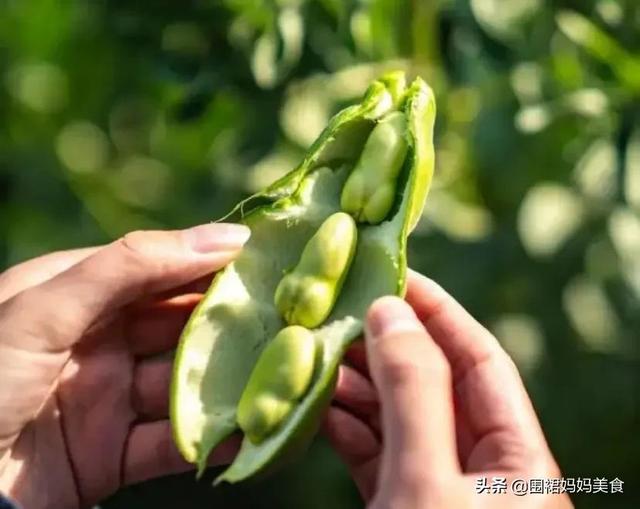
<point x="526" y="81"/>
<point x="131" y="123"/>
<point x="361" y="31"/>
<point x="278" y="48"/>
<point x="590" y="102"/>
<point x="504" y="20"/>
<point x="610" y="11"/>
<point x="595" y="172"/>
<point x="624" y="230"/>
<point x="533" y="119"/>
<point x="600" y="45"/>
<point x="264" y="58"/>
<point x="142" y="181"/>
<point x="632" y="171"/>
<point x="271" y="168"/>
<point x="82" y="147"/>
<point x="548" y="216"/>
<point x="42" y="86"/>
<point x="566" y="63"/>
<point x="522" y="338"/>
<point x="458" y="220"/>
<point x="305" y="112"/>
<point x="309" y="103"/>
<point x="591" y="314"/>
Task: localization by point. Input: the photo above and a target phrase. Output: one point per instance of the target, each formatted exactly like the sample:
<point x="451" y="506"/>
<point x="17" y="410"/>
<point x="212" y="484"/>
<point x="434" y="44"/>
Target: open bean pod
<point x="237" y="318"/>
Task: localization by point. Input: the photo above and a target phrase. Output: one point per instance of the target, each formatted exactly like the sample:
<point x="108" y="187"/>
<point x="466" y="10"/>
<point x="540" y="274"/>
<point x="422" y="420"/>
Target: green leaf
<point x="602" y="47"/>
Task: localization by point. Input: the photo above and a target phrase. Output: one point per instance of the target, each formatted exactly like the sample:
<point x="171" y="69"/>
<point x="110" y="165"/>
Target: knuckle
<point x="139" y="252"/>
<point x="509" y="363"/>
<point x="134" y="242"/>
<point x="504" y="362"/>
<point x="35" y="321"/>
<point x="405" y="366"/>
<point x="398" y="369"/>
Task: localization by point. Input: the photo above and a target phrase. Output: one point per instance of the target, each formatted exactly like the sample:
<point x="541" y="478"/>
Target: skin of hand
<point x="83" y="381"/>
<point x="429" y="403"/>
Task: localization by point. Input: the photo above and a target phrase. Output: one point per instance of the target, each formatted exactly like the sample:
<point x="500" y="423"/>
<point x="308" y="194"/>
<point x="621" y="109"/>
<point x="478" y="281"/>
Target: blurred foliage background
<point x="124" y="114"/>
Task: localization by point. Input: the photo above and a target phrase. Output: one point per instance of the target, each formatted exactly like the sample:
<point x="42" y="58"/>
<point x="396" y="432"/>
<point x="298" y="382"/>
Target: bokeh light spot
<point x="624" y="230"/>
<point x="591" y="314"/>
<point x="522" y="337"/>
<point x="532" y="119"/>
<point x="82" y="147"/>
<point x="595" y="172"/>
<point x="632" y="172"/>
<point x="504" y="19"/>
<point x="548" y="215"/>
<point x="458" y="220"/>
<point x="41" y="86"/>
<point x="143" y="181"/>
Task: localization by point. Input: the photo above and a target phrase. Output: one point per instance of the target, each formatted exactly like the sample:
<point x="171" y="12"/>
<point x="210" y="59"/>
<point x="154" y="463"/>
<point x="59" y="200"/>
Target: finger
<point x="40" y="269"/>
<point x="151" y="453"/>
<point x="150" y="393"/>
<point x="355" y="392"/>
<point x="465" y="439"/>
<point x="489" y="391"/>
<point x="155" y="328"/>
<point x="357" y="445"/>
<point x="200" y="285"/>
<point x="356" y="356"/>
<point x="352" y="439"/>
<point x="140" y="264"/>
<point x="463" y="340"/>
<point x="413" y="381"/>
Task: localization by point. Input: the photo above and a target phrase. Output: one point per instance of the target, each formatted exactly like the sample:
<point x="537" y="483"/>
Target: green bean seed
<point x="370" y="190"/>
<point x="279" y="379"/>
<point x="308" y="293"/>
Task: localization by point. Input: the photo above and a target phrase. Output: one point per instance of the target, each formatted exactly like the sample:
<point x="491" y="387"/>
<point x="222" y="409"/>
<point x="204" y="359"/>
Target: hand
<point x="452" y="409"/>
<point x="83" y="401"/>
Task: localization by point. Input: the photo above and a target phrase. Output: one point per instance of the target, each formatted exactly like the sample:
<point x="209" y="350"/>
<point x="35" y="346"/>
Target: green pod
<point x="237" y="318"/>
<point x="370" y="190"/>
<point x="307" y="294"/>
<point x="280" y="378"/>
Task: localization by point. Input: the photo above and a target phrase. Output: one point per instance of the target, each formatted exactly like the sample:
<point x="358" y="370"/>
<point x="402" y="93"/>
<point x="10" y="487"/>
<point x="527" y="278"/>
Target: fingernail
<point x="207" y="238"/>
<point x="389" y="315"/>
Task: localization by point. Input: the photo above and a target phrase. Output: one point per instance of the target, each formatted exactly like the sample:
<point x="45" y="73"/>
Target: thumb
<point x="413" y="380"/>
<point x="139" y="264"/>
